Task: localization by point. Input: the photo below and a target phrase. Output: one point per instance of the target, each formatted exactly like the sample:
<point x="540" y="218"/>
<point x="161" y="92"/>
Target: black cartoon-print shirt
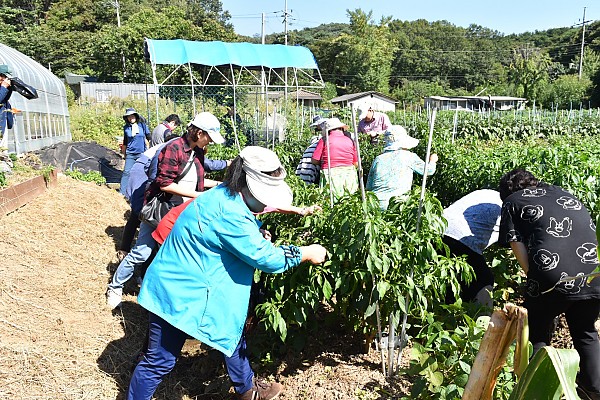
<point x="560" y="238"/>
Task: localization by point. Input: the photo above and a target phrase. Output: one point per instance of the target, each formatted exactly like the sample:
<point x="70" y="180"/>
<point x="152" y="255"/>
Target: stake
<point x="325" y="135"/>
<point x="361" y="184"/>
<point x="364" y="200"/>
<point x="419" y="212"/>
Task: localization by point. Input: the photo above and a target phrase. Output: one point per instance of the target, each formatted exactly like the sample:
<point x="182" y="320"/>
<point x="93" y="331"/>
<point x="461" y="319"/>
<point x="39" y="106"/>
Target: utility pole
<point x="285" y="22"/>
<point x="117" y="6"/>
<point x="263" y="29"/>
<point x="583" y="22"/>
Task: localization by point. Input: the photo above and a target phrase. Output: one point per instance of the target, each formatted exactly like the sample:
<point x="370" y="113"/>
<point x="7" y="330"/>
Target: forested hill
<point x="405" y="59"/>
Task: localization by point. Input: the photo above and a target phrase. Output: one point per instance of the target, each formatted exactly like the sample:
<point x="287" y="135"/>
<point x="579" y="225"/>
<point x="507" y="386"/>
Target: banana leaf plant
<point x="550" y="375"/>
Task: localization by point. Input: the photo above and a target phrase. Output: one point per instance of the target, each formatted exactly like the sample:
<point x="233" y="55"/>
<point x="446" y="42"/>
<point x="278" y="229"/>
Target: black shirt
<point x="560" y="237"/>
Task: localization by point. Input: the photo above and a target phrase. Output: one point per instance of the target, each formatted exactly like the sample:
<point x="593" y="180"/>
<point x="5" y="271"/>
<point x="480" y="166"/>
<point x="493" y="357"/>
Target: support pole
<point x="364" y="200"/>
<point x="360" y="170"/>
<point x="326" y="139"/>
<point x="419" y="212"/>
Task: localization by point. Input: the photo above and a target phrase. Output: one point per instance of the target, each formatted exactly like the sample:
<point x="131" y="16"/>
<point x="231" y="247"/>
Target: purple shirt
<point x="381" y="123"/>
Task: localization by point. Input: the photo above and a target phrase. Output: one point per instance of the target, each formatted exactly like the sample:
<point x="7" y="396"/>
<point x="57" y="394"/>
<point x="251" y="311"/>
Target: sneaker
<point x="121" y="254"/>
<point x="113" y="298"/>
<point x="262" y="391"/>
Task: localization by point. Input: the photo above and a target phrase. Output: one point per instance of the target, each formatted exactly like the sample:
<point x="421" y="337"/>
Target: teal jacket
<point x="200" y="280"/>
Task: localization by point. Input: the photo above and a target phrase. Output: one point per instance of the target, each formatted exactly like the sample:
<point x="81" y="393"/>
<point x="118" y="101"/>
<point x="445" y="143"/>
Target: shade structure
<point x="216" y="53"/>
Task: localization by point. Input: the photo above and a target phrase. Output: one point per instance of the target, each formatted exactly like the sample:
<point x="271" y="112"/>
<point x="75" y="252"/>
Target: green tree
<point x="591" y="62"/>
<point x="566" y="91"/>
<point x="365" y="56"/>
<point x="529" y="71"/>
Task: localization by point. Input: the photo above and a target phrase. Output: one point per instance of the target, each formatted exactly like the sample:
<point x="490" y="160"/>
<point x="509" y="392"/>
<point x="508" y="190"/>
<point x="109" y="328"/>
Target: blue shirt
<point x="136" y="144"/>
<point x="200" y="280"/>
<point x="392" y="174"/>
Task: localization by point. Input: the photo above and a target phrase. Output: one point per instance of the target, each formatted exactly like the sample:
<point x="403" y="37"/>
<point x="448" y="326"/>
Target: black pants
<point x="580" y="315"/>
<point x="483" y="274"/>
<point x="133" y="223"/>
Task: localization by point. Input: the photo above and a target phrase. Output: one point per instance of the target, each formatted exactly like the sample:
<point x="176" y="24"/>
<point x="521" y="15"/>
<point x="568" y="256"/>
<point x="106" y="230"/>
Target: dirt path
<point x="59" y="341"/>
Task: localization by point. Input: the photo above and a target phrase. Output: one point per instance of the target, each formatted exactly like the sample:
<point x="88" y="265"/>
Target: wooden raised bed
<point x="17" y="196"/>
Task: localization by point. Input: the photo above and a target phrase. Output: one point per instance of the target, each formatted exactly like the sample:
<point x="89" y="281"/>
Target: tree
<point x="529" y="71"/>
<point x="566" y="91"/>
<point x="365" y="56"/>
<point x="169" y="23"/>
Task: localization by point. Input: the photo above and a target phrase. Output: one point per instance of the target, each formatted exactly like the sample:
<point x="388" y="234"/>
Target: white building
<point x="475" y="103"/>
<point x="366" y="100"/>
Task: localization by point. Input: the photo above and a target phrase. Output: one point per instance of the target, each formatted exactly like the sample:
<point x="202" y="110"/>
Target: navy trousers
<point x="164" y="346"/>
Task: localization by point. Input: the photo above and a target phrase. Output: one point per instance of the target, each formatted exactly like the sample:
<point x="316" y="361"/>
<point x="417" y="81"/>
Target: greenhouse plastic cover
<point x="51" y="90"/>
<point x="178" y="51"/>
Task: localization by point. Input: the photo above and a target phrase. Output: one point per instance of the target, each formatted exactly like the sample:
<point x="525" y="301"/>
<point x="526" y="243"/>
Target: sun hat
<point x="131" y="111"/>
<point x="397" y="138"/>
<point x="334" y="123"/>
<point x="209" y="124"/>
<point x="271" y="191"/>
<point x="362" y="113"/>
<point x="5" y="70"/>
<point x="317" y="120"/>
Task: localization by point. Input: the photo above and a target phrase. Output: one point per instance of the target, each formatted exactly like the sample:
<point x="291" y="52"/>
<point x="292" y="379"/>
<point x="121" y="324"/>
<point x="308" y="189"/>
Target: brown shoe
<point x="262" y="391"/>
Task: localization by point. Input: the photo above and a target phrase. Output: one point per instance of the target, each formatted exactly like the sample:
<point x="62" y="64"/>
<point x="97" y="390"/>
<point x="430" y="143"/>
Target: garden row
<point x="380" y="258"/>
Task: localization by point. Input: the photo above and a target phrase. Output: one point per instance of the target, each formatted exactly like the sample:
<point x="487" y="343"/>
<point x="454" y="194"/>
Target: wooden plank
<point x="17" y="196"/>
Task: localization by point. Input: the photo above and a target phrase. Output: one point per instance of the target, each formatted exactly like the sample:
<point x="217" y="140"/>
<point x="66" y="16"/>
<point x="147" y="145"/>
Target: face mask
<point x="254" y="205"/>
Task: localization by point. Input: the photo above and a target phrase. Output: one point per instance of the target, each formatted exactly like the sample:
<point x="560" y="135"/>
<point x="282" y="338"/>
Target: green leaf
<point x="370" y="310"/>
<point x="382" y="288"/>
<point x="327" y="290"/>
<point x="436" y="379"/>
<point x="550" y="375"/>
<point x="465" y="367"/>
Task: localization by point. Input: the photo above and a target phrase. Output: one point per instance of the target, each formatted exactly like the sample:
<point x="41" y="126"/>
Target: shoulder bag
<point x="157" y="207"/>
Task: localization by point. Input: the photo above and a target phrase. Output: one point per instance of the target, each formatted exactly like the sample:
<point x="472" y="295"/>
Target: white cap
<point x="209" y="124"/>
<point x="271" y="191"/>
<point x="397" y="138"/>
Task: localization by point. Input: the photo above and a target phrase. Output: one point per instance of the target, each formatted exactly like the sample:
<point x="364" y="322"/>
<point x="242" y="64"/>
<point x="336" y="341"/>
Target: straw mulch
<point x="58" y="340"/>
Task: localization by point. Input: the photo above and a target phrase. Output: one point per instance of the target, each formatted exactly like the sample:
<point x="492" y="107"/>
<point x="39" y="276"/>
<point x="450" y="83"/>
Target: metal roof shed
<point x="43" y="121"/>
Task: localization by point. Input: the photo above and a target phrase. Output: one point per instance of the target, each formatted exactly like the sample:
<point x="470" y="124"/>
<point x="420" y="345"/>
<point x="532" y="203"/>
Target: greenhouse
<point x="38" y="122"/>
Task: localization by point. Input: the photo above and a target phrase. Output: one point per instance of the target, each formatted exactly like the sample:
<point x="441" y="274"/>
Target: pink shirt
<point x="341" y="149"/>
<point x="381" y="122"/>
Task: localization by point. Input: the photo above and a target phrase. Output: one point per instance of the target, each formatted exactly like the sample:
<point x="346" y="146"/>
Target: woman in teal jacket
<point x="199" y="283"/>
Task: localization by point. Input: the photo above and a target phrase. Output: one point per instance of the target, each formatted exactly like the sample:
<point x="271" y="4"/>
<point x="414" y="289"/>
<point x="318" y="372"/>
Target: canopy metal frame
<point x="261" y="77"/>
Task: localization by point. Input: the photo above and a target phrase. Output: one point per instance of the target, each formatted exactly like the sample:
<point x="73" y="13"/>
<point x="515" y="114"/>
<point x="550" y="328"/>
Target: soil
<point x="58" y="339"/>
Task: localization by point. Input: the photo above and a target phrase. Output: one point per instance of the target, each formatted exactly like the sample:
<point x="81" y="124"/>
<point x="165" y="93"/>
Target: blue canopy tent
<point x="249" y="55"/>
<point x="264" y="66"/>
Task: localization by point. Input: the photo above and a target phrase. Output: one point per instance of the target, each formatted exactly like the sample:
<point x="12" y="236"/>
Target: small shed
<point x="305" y="98"/>
<point x="364" y="100"/>
<point x="39" y="122"/>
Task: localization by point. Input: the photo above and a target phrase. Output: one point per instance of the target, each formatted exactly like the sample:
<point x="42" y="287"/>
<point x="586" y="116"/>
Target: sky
<point x="505" y="16"/>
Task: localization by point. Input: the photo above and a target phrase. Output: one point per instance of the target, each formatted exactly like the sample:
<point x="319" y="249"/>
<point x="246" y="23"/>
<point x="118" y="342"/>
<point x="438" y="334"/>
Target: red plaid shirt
<point x="172" y="161"/>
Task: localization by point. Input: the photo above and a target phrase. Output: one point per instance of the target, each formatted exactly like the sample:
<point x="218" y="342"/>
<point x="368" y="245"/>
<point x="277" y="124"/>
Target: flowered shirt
<point x="392" y="174"/>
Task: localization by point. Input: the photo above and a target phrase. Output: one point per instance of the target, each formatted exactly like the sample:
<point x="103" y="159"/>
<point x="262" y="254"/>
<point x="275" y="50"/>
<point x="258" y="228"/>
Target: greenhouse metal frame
<point x="38" y="122"/>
